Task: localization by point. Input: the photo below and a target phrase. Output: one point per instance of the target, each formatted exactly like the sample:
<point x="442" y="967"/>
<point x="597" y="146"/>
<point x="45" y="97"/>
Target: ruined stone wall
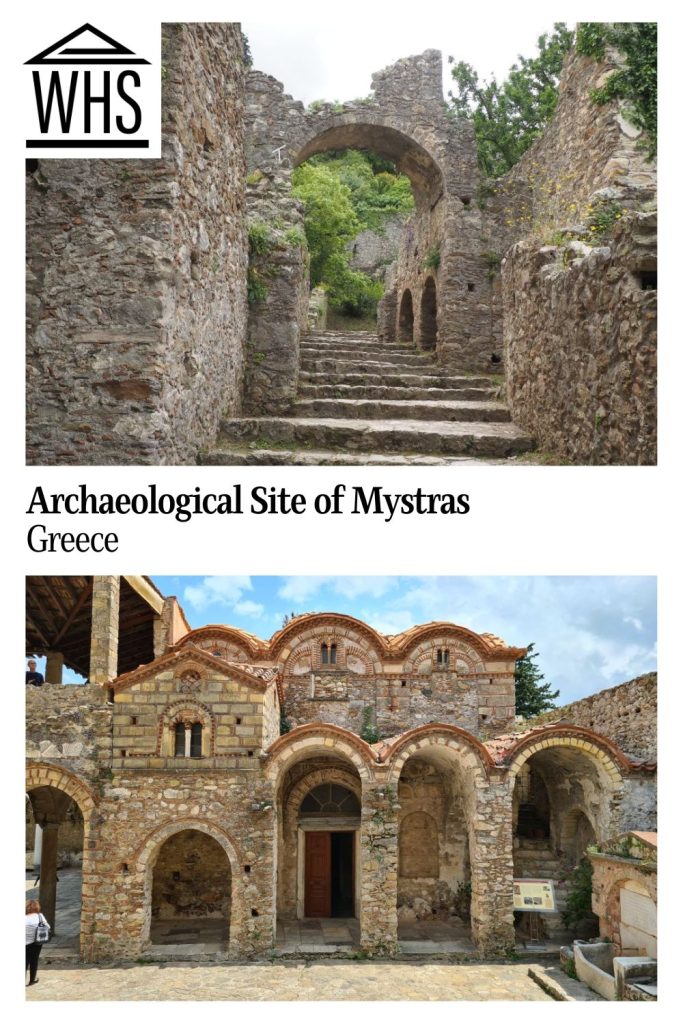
<point x="71" y="727"/>
<point x="579" y="316"/>
<point x="373" y="250"/>
<point x="625" y="714"/>
<point x="278" y="292"/>
<point x="136" y="280"/>
<point x="580" y="344"/>
<point x="587" y="147"/>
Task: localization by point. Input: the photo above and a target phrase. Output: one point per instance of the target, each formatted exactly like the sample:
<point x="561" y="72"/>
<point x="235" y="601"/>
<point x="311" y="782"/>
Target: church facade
<point x="330" y="772"/>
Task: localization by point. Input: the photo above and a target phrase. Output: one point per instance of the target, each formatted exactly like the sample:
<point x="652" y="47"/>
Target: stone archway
<point x="428" y="320"/>
<point x="406" y="317"/>
<point x="145" y="859"/>
<point x="474" y="813"/>
<point x="55" y="793"/>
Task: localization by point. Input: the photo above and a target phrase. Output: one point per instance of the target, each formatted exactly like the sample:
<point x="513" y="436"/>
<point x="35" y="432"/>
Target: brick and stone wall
<point x="136" y="279"/>
<point x="626" y="714"/>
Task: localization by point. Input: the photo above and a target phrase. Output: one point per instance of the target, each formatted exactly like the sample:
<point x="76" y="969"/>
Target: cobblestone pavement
<point x="288" y="981"/>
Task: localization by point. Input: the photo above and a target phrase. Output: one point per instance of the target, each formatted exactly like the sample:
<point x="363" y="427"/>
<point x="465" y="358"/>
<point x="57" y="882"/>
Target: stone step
<point x="418" y="437"/>
<point x="236" y="455"/>
<point x="406" y="394"/>
<point x="357" y="351"/>
<point x="436" y="378"/>
<point x="364" y="409"/>
<point x="394" y="364"/>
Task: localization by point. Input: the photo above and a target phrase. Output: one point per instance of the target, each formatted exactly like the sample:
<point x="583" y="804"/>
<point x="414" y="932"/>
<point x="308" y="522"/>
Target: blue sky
<point x="591" y="632"/>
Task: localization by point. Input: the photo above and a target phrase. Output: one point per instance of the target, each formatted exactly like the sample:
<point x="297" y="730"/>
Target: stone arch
<point x="406" y="317"/>
<point x="582" y="771"/>
<point x="44" y="777"/>
<point x="597" y="747"/>
<point x="480" y="813"/>
<point x="371" y="129"/>
<point x="471" y="752"/>
<point x="225" y="638"/>
<point x="306" y="628"/>
<point x="308" y="740"/>
<point x="428" y="316"/>
<point x="41" y="774"/>
<point x="145" y="856"/>
<point x="466" y="644"/>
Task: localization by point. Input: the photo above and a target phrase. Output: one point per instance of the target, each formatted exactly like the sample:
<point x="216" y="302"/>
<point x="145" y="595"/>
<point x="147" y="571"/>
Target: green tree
<point x="532" y="695"/>
<point x="636" y="81"/>
<point x="330" y="221"/>
<point x="508" y="116"/>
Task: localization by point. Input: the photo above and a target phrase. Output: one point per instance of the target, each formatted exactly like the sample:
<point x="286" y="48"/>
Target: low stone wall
<point x="626" y="714"/>
<point x="136" y="277"/>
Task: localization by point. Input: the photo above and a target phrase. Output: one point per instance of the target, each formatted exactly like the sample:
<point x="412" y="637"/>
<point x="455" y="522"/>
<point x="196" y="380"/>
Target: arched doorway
<point x="191" y="898"/>
<point x="406" y="317"/>
<point x="563" y="798"/>
<point x="428" y="316"/>
<point x="434" y="882"/>
<point x="319" y="843"/>
<point x="59" y="817"/>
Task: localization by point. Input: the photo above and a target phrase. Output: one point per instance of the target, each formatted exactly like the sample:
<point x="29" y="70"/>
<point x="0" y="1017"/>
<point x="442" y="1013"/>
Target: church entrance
<point x="329" y="874"/>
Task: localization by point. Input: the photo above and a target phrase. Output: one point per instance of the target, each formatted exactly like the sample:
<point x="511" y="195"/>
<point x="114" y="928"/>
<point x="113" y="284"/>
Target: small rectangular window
<point x="333" y="654"/>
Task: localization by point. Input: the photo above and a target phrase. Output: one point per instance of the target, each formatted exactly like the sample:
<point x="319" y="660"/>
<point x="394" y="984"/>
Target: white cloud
<point x="300" y="589"/>
<point x="217" y="590"/>
<point x="252" y="609"/>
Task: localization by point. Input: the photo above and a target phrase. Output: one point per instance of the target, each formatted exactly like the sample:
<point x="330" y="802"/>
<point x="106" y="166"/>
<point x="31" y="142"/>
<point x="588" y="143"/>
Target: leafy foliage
<point x="369" y="731"/>
<point x="636" y="81"/>
<point x="508" y="116"/>
<point x="344" y="193"/>
<point x="532" y="695"/>
<point x="579" y="894"/>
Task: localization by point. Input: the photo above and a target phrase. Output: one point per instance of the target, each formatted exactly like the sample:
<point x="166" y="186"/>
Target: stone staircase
<point x="363" y="402"/>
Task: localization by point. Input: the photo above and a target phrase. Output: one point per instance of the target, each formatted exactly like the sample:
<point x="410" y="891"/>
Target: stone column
<point x="47" y="892"/>
<point x="492" y="871"/>
<point x="379" y="867"/>
<point x="53" y="667"/>
<point x="37" y="847"/>
<point x="104" y="636"/>
<point x="188" y="739"/>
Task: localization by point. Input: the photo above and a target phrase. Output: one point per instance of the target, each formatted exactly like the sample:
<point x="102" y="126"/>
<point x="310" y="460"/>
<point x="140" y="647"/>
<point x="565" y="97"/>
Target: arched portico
<point x="53" y="792"/>
<point x="229" y="899"/>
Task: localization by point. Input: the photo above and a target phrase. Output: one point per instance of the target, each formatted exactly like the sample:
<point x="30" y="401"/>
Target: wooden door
<point x="318" y="875"/>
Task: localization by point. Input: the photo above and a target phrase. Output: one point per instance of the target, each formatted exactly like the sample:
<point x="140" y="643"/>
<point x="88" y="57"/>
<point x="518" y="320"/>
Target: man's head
<point x="32" y="665"/>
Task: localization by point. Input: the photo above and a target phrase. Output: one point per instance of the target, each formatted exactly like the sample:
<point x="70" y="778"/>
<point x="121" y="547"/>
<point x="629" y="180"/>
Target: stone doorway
<point x="191" y="894"/>
<point x="329" y="874"/>
<point x="428" y="316"/>
<point x="54" y="857"/>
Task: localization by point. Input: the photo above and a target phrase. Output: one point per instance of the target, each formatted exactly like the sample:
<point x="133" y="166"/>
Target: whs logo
<point x="90" y="93"/>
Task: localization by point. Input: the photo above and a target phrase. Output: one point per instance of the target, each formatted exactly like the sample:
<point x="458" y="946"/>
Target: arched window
<point x="333" y="654"/>
<point x="442" y="657"/>
<point x="196" y="739"/>
<point x="324" y="654"/>
<point x="180" y="739"/>
<point x="330" y="799"/>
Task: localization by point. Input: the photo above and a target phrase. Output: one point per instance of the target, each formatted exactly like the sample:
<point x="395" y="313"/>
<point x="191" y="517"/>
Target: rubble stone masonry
<point x="137" y="276"/>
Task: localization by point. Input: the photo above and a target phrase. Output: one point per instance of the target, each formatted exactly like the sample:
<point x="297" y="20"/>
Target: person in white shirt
<point x="33" y="948"/>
